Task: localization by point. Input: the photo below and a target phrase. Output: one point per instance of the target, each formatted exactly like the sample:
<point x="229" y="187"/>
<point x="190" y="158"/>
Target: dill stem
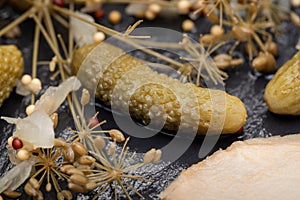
<point x="94" y="116"/>
<point x="104" y="166"/>
<point x="48" y="39"/>
<point x="48" y="176"/>
<point x="70" y="102"/>
<point x="260" y="44"/>
<point x="100" y="192"/>
<point x="71" y="37"/>
<point x="55" y="156"/>
<point x="122" y="158"/>
<point x="61" y="20"/>
<point x="36" y="47"/>
<point x="127" y="162"/>
<point x="132" y="167"/>
<point x="72" y="137"/>
<point x="38" y="172"/>
<point x="64" y="48"/>
<point x="161" y="3"/>
<point x="122" y="155"/>
<point x="137" y="178"/>
<point x="99" y="124"/>
<point x="160" y="44"/>
<point x="50" y="27"/>
<point x="35" y="53"/>
<point x="72" y="14"/>
<point x="91" y="144"/>
<point x="118" y="36"/>
<point x="43" y="63"/>
<point x="83" y="118"/>
<point x="96" y="174"/>
<point x="42" y="178"/>
<point x="17" y="21"/>
<point x="124" y="189"/>
<point x="82" y="127"/>
<point x="55" y="183"/>
<point x="60" y="175"/>
<point x="97" y="132"/>
<point x="134" y="190"/>
<point x="115" y="190"/>
<point x="103" y="181"/>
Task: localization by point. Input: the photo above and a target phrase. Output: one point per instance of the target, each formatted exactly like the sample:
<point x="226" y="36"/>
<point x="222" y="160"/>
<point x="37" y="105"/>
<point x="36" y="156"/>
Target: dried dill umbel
<point x="104" y="166"/>
<point x="73" y="161"/>
<point x="112" y="168"/>
<point x="200" y="61"/>
<point x="48" y="171"/>
<point x="83" y="171"/>
<point x="86" y="128"/>
<point x="46" y="163"/>
<point x="65" y="160"/>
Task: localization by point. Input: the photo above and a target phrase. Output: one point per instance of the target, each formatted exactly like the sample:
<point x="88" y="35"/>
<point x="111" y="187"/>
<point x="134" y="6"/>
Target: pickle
<point x="11" y="68"/>
<point x="155" y="98"/>
<point x="282" y="93"/>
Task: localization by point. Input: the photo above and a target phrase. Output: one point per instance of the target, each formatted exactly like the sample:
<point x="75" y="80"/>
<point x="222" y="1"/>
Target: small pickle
<point x="283" y="91"/>
<point x="11" y="68"/>
<point x="156" y="96"/>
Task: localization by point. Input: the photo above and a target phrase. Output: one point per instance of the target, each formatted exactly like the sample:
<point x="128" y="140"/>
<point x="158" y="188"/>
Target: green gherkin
<point x="150" y="96"/>
<point x="11" y="68"/>
<point x="282" y="93"/>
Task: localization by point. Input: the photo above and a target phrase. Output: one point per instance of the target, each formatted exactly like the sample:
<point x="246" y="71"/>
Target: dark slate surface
<point x="243" y="82"/>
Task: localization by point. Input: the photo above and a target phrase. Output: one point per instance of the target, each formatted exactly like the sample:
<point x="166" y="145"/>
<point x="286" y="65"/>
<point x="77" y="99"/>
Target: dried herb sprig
<point x="41" y="11"/>
<point x="48" y="164"/>
<point x="212" y="8"/>
<point x="68" y="160"/>
<point x="110" y="167"/>
<point x="201" y="60"/>
<point x="113" y="169"/>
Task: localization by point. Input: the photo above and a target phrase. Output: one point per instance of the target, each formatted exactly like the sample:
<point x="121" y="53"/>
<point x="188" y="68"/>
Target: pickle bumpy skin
<point x="11" y="68"/>
<point x="283" y="91"/>
<point x="130" y="83"/>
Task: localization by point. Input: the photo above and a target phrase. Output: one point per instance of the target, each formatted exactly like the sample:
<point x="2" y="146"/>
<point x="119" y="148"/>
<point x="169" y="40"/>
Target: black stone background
<point x="243" y="82"/>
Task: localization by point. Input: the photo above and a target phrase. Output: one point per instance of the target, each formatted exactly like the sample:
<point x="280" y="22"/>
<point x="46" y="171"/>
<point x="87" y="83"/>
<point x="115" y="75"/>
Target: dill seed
<point x="114" y="17"/>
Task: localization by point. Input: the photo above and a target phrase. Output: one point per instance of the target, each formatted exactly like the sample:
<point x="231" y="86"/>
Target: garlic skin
<point x="36" y="129"/>
<point x="55" y="96"/>
<point x="83" y="32"/>
<point x="16" y="176"/>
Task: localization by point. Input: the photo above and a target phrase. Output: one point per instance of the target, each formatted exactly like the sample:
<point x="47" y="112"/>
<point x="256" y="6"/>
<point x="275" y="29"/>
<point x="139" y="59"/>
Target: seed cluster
<point x="11" y="68"/>
<point x="34" y="85"/>
<point x="83" y="170"/>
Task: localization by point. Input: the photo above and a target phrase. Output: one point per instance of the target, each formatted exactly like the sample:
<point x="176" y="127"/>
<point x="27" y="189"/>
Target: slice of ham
<point x="262" y="168"/>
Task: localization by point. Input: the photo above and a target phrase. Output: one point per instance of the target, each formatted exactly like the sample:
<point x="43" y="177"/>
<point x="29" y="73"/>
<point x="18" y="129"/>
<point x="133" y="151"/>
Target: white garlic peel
<point x="36" y="129"/>
<point x="83" y="32"/>
<point x="22" y="89"/>
<point x="12" y="155"/>
<point x="16" y="176"/>
<point x="136" y="8"/>
<point x="55" y="96"/>
<point x="10" y="120"/>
